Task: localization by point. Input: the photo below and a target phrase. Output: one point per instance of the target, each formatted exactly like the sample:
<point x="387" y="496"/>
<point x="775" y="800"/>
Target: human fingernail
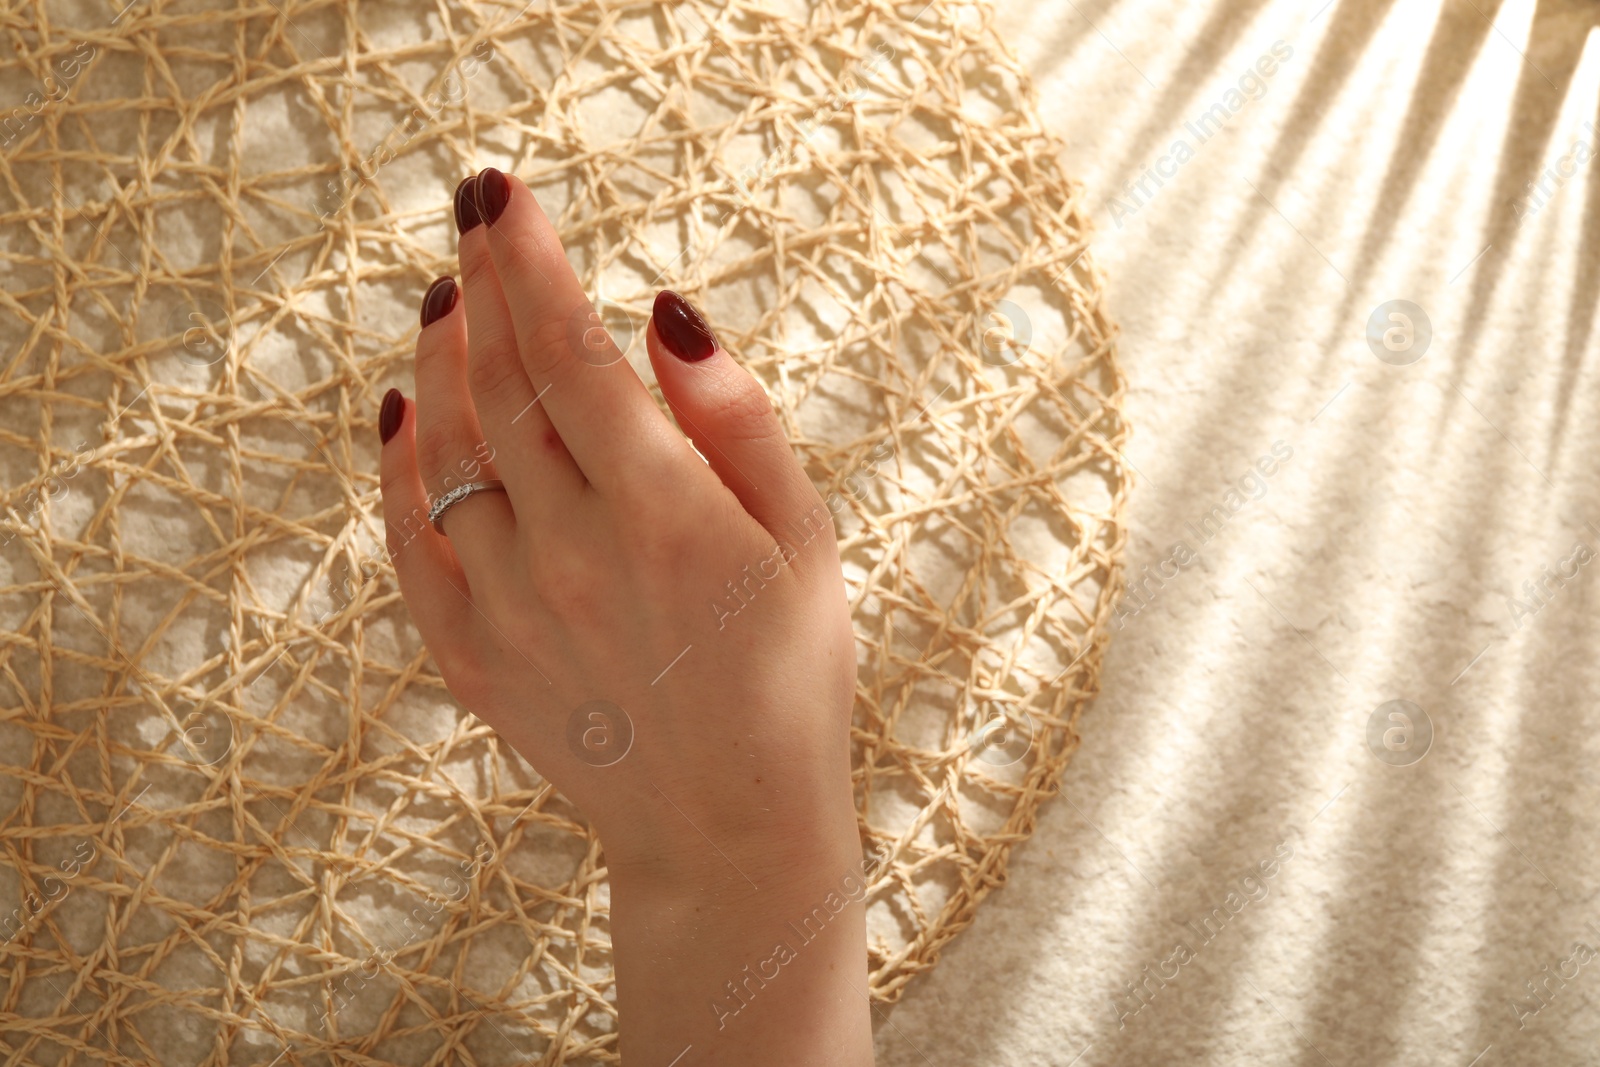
<point x="391" y="414"/>
<point x="494" y="193"/>
<point x="467" y="204"/>
<point x="440" y="300"/>
<point x="681" y="328"/>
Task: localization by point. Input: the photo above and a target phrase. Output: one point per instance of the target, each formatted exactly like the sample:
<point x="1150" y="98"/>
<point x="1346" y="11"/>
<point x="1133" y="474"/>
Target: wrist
<point x="690" y="852"/>
<point x="696" y="829"/>
<point x="756" y="956"/>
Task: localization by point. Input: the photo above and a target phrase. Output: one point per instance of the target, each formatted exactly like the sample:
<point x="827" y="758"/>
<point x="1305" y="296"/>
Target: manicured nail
<point x="681" y="328"/>
<point x="467" y="204"/>
<point x="440" y="300"/>
<point x="391" y="415"/>
<point x="494" y="193"/>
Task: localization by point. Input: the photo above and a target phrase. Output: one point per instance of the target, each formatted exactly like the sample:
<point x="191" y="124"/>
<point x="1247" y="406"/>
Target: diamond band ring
<point x="455" y="496"/>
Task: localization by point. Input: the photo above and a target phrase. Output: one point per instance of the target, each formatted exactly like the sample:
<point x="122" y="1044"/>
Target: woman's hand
<point x="664" y="638"/>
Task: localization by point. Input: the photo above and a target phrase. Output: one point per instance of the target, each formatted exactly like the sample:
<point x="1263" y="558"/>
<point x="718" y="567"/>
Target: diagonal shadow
<point x="1458" y="35"/>
<point x="1353" y="25"/>
<point x="1522" y="188"/>
<point x="1223" y="29"/>
<point x="1580" y="308"/>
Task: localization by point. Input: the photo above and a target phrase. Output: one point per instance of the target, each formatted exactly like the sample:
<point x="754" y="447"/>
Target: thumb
<point x="728" y="416"/>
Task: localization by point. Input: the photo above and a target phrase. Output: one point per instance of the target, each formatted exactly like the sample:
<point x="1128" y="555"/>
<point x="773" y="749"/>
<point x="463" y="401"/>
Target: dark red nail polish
<point x="391" y="415"/>
<point x="440" y="300"/>
<point x="494" y="193"/>
<point x="467" y="204"/>
<point x="681" y="328"/>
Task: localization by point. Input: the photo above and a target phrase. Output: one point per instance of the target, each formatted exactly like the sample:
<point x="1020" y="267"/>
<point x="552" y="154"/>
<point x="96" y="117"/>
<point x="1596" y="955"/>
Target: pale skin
<point x="730" y="816"/>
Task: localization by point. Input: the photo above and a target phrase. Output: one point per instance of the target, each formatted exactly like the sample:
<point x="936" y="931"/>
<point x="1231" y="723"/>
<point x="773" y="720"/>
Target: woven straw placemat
<point x="242" y="822"/>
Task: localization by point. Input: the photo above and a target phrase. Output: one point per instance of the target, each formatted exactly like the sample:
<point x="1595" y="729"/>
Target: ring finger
<point x="451" y="448"/>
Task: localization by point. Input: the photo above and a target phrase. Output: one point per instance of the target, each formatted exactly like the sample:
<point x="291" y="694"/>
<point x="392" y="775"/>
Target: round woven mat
<point x="241" y="821"/>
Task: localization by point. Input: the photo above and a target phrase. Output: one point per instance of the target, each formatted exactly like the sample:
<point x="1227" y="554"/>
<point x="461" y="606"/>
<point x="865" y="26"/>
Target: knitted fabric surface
<point x="241" y="820"/>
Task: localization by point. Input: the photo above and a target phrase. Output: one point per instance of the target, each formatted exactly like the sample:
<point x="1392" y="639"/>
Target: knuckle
<point x="742" y="412"/>
<point x="477" y="271"/>
<point x="494" y="370"/>
<point x="392" y="478"/>
<point x="548" y="352"/>
<point x="441" y="444"/>
<point x="516" y="269"/>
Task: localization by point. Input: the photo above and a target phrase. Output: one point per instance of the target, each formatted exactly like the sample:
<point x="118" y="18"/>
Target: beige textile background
<point x="1385" y="159"/>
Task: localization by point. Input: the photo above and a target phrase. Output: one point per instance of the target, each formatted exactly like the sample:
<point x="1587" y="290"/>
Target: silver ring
<point x="456" y="496"/>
